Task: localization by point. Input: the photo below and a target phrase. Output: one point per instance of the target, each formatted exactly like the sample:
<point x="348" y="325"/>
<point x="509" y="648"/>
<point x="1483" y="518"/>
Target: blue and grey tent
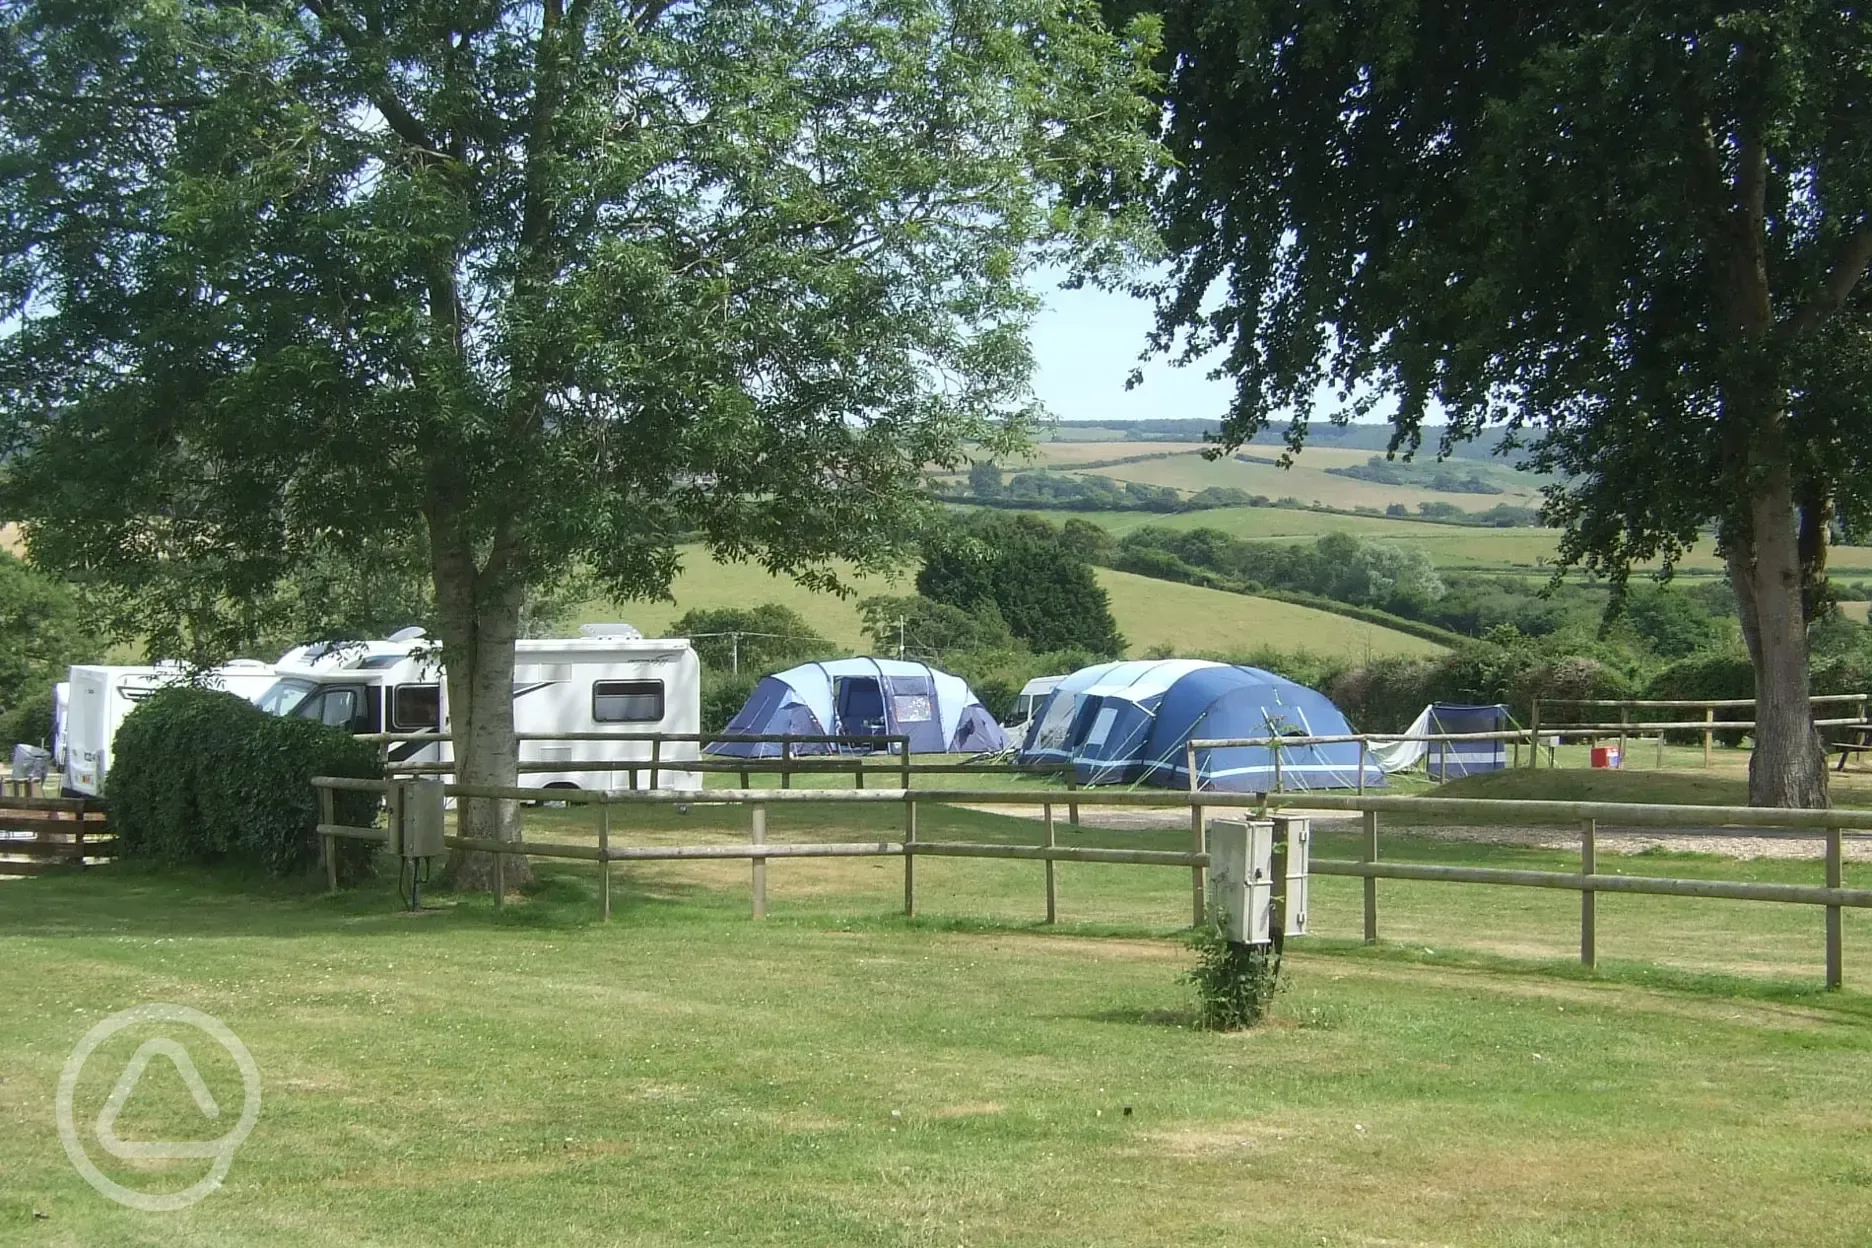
<point x="1449" y="760"/>
<point x="1131" y="722"/>
<point x="864" y="697"/>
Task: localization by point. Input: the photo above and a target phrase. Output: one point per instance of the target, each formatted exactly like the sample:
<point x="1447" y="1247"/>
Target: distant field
<point x="1307" y="480"/>
<point x="1450" y="545"/>
<point x="706" y="583"/>
<point x="1163" y="613"/>
<point x="1149" y="612"/>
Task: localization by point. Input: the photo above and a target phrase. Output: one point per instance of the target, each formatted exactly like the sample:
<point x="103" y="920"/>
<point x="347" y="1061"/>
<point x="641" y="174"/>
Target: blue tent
<point x="864" y="697"/>
<point x="1129" y="723"/>
<point x="1450" y="759"/>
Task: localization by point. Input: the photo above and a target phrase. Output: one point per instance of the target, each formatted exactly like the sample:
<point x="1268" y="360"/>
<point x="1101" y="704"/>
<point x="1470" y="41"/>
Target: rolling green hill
<point x="1150" y="613"/>
<point x="1190" y="619"/>
<point x="1455" y="546"/>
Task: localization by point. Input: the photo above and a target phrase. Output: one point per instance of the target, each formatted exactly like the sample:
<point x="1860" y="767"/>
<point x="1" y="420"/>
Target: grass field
<point x="1454" y="546"/>
<point x="839" y="1075"/>
<point x="1149" y="613"/>
<point x="1307" y="480"/>
<point x="1190" y="619"/>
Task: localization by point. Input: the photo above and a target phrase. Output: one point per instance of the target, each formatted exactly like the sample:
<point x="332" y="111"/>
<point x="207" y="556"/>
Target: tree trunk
<point x="1788" y="764"/>
<point x="479" y="614"/>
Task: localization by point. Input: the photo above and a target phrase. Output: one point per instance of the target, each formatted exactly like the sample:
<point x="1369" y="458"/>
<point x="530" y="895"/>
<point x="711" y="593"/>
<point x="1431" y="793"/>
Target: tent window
<point x="911" y="708"/>
<point x="1102" y="726"/>
<point x="1056" y="727"/>
<point x="627" y="701"/>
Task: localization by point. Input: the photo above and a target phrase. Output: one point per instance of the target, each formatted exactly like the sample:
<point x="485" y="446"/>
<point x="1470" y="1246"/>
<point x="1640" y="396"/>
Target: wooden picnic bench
<point x="1858" y="741"/>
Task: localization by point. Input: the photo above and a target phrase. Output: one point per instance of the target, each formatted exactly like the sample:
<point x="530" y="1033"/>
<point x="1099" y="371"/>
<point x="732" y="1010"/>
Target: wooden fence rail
<point x="1833" y="826"/>
<point x="39" y="834"/>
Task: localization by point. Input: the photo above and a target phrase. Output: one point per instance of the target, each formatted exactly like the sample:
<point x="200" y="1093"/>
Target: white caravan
<point x="98" y="698"/>
<point x="611" y="679"/>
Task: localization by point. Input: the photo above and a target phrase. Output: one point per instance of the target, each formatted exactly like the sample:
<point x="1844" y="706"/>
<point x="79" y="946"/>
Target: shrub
<point x="723" y="694"/>
<point x="200" y="776"/>
<point x="1235" y="984"/>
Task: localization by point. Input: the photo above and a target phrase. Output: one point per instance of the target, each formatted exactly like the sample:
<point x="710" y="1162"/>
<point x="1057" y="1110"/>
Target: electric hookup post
<point x="417" y="826"/>
<point x="1258" y="878"/>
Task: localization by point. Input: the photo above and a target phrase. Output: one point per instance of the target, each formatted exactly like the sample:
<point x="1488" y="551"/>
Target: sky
<point x="1086" y="342"/>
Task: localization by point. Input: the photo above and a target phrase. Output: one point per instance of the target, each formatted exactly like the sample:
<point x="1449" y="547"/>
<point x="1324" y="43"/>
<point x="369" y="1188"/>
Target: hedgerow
<point x="201" y="776"/>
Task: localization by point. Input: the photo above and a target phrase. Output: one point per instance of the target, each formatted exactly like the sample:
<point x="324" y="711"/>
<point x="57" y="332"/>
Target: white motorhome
<point x="611" y="679"/>
<point x="98" y="698"/>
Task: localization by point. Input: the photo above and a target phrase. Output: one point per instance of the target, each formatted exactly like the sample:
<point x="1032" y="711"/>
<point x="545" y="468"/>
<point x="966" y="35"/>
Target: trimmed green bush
<point x="200" y="776"/>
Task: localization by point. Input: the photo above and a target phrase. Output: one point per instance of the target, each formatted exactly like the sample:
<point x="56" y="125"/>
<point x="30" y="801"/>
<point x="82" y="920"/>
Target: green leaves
<point x="286" y="285"/>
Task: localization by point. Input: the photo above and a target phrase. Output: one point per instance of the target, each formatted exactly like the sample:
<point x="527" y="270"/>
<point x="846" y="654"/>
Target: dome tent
<point x="863" y="697"/>
<point x="1129" y="723"/>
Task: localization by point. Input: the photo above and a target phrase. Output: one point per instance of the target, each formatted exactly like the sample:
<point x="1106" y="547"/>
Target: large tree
<point x="548" y="283"/>
<point x="1638" y="234"/>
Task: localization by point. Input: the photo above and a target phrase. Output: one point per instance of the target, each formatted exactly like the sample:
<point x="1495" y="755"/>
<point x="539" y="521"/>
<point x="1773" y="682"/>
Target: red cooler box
<point x="1606" y="756"/>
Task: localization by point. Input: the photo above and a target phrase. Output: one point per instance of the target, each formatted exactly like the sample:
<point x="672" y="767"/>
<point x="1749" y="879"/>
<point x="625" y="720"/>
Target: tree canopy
<point x="551" y="285"/>
<point x="1637" y="235"/>
<point x="1019" y="565"/>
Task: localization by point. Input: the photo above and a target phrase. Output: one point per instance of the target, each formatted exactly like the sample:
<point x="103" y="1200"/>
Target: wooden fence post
<point x="1588" y="913"/>
<point x="1835" y="878"/>
<point x="327" y="815"/>
<point x="1534" y="737"/>
<point x="1052" y="868"/>
<point x="910" y="836"/>
<point x="1362" y="747"/>
<point x="757" y="834"/>
<point x="786" y="764"/>
<point x="1624" y="719"/>
<point x="1371" y="884"/>
<point x="1709" y="734"/>
<point x="656" y="759"/>
<point x="604" y="861"/>
<point x="1199" y="882"/>
<point x="1277" y="764"/>
<point x="1072" y="807"/>
<point x="904" y="764"/>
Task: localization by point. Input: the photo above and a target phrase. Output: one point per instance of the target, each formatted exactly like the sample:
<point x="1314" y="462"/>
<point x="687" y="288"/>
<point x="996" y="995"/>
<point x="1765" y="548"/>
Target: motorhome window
<point x="416" y="708"/>
<point x="336" y="708"/>
<point x="627" y="701"/>
<point x="284" y="696"/>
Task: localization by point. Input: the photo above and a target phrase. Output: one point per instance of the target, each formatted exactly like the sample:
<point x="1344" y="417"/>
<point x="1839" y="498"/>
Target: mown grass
<point x="841" y="1075"/>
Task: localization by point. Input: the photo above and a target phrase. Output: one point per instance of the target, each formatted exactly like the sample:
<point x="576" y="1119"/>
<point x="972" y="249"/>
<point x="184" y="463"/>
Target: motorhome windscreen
<point x="627" y="701"/>
<point x="284" y="696"/>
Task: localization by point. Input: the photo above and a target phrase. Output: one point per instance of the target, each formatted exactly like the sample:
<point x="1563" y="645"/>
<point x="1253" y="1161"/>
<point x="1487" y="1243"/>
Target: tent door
<point x="861" y="707"/>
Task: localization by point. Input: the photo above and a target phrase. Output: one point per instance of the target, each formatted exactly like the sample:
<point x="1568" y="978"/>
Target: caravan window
<point x="416" y="708"/>
<point x="627" y="701"/>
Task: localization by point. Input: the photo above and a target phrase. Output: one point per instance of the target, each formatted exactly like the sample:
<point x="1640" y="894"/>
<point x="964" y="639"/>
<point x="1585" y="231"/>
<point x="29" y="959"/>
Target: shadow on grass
<point x="127" y="898"/>
<point x="1180" y="1020"/>
<point x="1847" y="1007"/>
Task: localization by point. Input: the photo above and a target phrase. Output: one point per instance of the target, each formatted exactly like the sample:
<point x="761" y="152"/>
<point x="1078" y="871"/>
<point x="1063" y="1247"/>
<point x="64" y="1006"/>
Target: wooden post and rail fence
<point x="1708" y="725"/>
<point x="1587" y="817"/>
<point x="39" y="834"/>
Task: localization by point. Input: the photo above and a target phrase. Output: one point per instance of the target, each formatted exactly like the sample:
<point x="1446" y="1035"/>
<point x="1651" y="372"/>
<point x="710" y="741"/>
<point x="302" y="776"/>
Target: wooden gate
<point x="40" y="834"/>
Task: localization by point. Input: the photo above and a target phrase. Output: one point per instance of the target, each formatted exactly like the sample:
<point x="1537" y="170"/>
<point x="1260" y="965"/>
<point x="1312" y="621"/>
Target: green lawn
<point x="1149" y="612"/>
<point x="839" y="1075"/>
